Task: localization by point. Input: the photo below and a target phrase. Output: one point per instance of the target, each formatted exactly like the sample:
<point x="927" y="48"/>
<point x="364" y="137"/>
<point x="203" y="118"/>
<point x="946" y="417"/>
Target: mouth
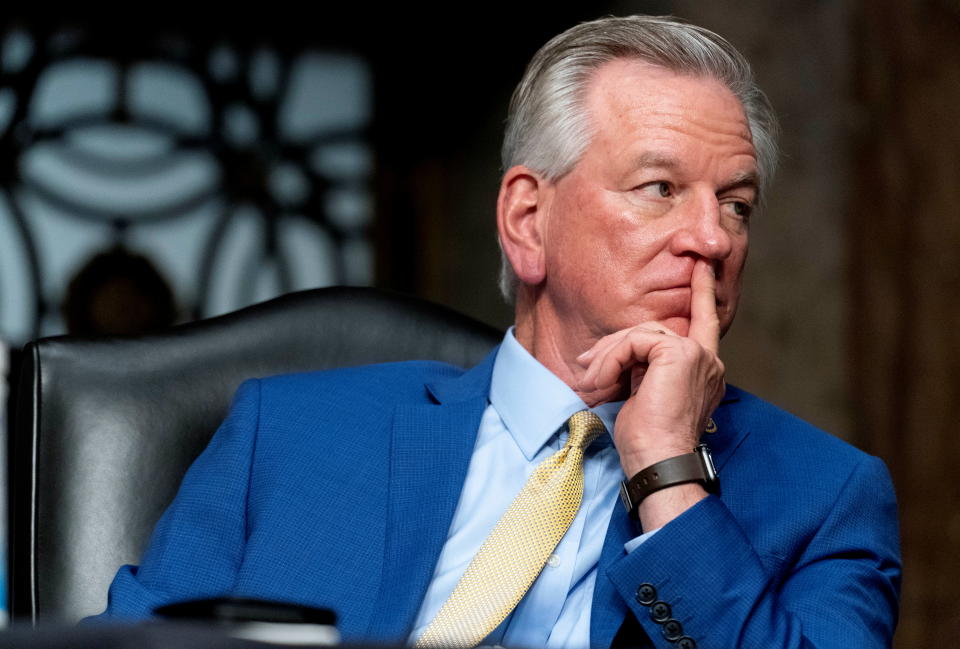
<point x="674" y="303"/>
<point x="680" y="291"/>
<point x="670" y="302"/>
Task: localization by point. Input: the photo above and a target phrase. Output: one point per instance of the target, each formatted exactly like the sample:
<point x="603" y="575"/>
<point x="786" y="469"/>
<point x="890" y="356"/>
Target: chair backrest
<point x="105" y="428"/>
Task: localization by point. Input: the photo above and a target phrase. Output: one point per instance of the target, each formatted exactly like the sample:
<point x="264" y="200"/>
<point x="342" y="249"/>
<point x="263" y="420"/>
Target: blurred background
<point x="156" y="168"/>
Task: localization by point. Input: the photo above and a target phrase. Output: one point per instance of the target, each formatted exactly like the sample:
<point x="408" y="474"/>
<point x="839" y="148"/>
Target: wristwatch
<point x="691" y="467"/>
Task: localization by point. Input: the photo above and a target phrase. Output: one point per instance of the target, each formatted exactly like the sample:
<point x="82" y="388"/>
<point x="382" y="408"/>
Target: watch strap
<point x="690" y="467"/>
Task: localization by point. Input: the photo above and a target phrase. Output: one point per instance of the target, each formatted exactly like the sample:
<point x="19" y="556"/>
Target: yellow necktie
<point x="513" y="555"/>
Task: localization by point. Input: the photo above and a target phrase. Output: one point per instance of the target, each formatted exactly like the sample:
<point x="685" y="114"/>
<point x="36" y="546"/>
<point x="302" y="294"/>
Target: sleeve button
<point x="646" y="594"/>
<point x="660" y="612"/>
<point x="672" y="630"/>
<point x="686" y="642"/>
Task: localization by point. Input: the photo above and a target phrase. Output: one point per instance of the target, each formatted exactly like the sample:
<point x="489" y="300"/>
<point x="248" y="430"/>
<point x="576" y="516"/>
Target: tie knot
<point x="584" y="427"/>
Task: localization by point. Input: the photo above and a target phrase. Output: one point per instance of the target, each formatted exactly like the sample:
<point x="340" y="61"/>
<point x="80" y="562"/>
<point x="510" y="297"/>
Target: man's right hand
<point x="676" y="383"/>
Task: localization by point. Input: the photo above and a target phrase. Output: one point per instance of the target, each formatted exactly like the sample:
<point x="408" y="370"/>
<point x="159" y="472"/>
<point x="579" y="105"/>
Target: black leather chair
<point x="105" y="428"/>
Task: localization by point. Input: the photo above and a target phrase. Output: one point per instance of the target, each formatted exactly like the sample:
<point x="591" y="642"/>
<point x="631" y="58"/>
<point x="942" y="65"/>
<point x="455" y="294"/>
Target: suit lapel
<point x="429" y="456"/>
<point x="733" y="425"/>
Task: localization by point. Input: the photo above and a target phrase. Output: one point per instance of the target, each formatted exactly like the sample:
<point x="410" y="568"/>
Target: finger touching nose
<point x="704" y="319"/>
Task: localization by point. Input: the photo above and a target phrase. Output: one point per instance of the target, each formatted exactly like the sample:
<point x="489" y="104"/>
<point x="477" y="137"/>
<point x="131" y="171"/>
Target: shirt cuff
<point x="637" y="541"/>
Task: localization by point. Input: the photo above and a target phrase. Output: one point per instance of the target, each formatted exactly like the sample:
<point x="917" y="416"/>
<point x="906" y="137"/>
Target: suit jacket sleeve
<point x="198" y="544"/>
<point x="839" y="589"/>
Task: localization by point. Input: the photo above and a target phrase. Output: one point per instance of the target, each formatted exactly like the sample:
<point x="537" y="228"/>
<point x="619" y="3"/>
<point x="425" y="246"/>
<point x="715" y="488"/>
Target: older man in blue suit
<point x="636" y="150"/>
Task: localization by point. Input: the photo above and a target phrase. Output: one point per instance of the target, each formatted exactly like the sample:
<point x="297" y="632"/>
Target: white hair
<point x="548" y="127"/>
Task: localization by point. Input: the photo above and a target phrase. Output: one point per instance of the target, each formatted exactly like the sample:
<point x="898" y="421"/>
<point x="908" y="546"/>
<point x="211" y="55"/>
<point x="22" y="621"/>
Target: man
<point x="403" y="495"/>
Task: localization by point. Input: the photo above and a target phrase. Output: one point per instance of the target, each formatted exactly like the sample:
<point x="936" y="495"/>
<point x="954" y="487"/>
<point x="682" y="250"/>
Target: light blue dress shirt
<point x="523" y="425"/>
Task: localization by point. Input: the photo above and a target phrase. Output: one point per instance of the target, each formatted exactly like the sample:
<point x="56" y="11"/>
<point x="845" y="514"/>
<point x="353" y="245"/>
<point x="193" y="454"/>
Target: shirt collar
<point x="532" y="401"/>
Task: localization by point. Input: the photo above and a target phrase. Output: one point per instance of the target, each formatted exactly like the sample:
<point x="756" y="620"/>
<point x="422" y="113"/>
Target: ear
<point x="521" y="209"/>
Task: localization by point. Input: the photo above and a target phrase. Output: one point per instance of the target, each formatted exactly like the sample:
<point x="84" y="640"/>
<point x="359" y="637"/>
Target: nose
<point x="701" y="230"/>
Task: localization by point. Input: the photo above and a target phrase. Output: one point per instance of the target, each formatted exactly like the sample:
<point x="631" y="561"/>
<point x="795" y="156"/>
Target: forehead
<point x="633" y="103"/>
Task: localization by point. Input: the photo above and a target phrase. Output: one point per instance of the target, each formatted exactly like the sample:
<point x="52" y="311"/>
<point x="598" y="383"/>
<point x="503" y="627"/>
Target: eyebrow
<point x="747" y="179"/>
<point x="658" y="160"/>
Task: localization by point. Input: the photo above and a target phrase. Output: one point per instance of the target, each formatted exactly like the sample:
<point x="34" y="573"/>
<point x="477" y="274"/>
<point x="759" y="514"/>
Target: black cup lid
<point x="239" y="609"/>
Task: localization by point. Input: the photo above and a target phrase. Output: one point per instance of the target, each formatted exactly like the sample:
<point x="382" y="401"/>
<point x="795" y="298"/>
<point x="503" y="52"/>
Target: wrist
<point x="678" y="470"/>
<point x="661" y="507"/>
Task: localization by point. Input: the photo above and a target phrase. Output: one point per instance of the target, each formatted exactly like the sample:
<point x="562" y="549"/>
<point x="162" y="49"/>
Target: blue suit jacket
<point x="336" y="489"/>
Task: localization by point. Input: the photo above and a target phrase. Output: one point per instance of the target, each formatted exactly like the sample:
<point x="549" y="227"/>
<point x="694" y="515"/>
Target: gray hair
<point x="548" y="127"/>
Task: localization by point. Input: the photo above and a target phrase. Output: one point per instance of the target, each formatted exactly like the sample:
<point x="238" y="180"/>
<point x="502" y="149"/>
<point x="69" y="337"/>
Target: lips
<point x="669" y="302"/>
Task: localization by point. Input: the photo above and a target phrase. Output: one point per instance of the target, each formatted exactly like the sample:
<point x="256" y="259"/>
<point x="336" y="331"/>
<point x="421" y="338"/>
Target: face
<point x="668" y="178"/>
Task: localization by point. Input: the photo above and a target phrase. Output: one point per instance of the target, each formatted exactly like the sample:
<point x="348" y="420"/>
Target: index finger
<point x="704" y="321"/>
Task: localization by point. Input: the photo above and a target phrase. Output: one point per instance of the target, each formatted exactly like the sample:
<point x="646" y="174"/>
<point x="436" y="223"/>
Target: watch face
<point x="625" y="496"/>
<point x="711" y="469"/>
<point x="713" y="478"/>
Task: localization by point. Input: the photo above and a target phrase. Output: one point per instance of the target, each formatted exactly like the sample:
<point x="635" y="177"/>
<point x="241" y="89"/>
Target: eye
<point x="658" y="189"/>
<point x="742" y="209"/>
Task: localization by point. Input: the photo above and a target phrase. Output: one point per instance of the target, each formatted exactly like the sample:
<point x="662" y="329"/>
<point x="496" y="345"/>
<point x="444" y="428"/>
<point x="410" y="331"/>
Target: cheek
<point x="728" y="289"/>
<point x="571" y="259"/>
<point x="731" y="268"/>
<point x="735" y="263"/>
